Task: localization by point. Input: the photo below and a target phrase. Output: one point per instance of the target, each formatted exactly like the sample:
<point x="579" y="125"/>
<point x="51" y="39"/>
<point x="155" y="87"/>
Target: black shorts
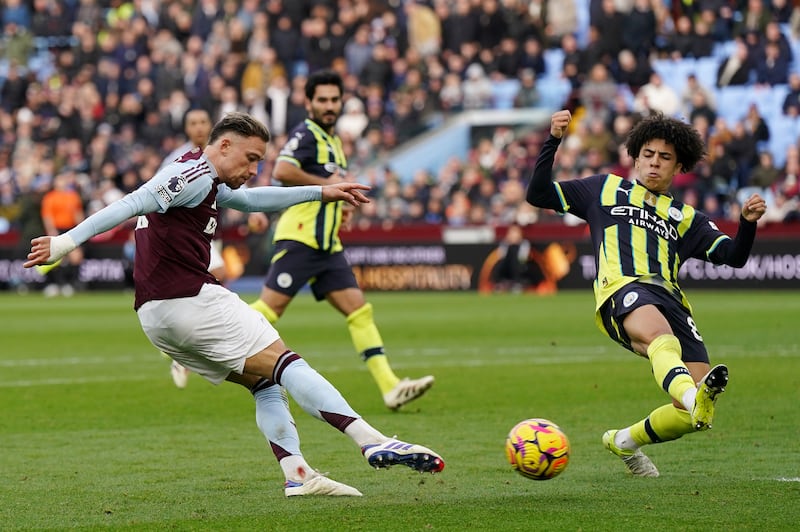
<point x="635" y="295"/>
<point x="295" y="264"/>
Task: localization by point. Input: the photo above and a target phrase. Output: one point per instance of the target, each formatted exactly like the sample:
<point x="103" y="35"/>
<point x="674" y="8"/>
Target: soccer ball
<point x="538" y="449"/>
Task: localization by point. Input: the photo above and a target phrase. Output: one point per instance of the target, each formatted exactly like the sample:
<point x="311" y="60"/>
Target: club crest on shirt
<point x="676" y="214"/>
<point x="284" y="280"/>
<point x="291" y="146"/>
<point x="629" y="299"/>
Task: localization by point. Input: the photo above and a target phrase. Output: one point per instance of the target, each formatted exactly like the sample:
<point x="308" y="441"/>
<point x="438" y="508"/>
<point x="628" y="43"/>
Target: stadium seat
<point x="732" y="102"/>
<point x="770" y="101"/>
<point x="723" y="50"/>
<point x="504" y="92"/>
<point x="682" y="69"/>
<point x="784" y="131"/>
<point x="705" y="69"/>
<point x="665" y="68"/>
<point x="554" y="92"/>
<point x="554" y="63"/>
<point x="674" y="73"/>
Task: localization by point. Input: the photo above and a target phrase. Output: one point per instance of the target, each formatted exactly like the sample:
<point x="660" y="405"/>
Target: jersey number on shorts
<point x="693" y="327"/>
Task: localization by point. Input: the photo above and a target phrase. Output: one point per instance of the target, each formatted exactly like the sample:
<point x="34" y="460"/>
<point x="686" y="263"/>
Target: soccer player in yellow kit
<point x="641" y="235"/>
<point x="307" y="244"/>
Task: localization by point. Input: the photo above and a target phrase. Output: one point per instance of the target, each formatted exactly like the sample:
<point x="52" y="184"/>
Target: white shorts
<point x="212" y="333"/>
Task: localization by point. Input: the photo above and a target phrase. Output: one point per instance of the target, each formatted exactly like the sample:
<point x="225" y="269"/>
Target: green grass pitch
<point x="93" y="434"/>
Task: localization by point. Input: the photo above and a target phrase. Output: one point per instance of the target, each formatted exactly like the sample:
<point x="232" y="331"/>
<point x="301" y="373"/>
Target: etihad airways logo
<point x="641" y="218"/>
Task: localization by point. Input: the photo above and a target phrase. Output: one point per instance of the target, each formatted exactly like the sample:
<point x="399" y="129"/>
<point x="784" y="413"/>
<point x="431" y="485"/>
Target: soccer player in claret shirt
<point x="641" y="235"/>
<point x="197" y="127"/>
<point x="188" y="314"/>
<point x="307" y="244"/>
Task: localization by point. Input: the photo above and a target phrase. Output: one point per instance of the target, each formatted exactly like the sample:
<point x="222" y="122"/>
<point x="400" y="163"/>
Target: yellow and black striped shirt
<point x="314" y="224"/>
<point x="637" y="235"/>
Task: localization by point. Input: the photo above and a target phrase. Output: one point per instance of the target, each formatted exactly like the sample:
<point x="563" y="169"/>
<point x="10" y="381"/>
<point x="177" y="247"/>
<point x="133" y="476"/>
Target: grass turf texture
<point x="93" y="433"/>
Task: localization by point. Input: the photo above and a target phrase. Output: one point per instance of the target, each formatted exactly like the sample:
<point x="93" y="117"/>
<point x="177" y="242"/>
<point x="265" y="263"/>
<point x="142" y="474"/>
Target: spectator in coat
<point x="735" y="70"/>
<point x="773" y="68"/>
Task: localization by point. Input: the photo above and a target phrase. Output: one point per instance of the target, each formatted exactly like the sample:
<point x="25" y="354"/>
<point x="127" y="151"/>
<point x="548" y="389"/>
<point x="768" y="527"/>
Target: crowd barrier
<point x="434" y="258"/>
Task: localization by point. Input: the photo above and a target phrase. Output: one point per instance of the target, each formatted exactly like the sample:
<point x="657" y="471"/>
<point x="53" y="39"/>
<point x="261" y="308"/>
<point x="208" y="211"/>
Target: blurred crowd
<point x="93" y="93"/>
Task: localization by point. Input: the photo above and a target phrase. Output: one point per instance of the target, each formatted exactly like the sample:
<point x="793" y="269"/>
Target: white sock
<point x="364" y="434"/>
<point x="295" y="468"/>
<point x="623" y="439"/>
<point x="688" y="399"/>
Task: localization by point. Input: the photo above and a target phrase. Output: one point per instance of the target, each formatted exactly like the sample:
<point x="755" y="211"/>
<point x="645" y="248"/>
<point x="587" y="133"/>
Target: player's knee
<point x="361" y="315"/>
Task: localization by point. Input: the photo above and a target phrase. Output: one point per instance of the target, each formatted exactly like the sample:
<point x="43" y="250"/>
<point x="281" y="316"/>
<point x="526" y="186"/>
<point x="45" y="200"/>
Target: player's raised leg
<point x="322" y="400"/>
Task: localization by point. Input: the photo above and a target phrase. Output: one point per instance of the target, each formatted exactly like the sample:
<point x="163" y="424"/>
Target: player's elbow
<point x="536" y="197"/>
<point x="733" y="260"/>
<point x="284" y="172"/>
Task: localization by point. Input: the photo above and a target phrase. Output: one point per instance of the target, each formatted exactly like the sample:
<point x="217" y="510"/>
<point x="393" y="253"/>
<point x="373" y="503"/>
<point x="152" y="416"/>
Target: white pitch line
<point x="80" y="380"/>
<point x="426" y="358"/>
<point x="333" y="368"/>
<point x="71" y="361"/>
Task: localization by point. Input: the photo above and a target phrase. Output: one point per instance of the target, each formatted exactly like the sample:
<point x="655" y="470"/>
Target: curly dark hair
<point x="689" y="146"/>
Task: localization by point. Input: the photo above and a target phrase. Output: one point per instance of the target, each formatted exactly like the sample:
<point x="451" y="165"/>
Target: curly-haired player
<point x="641" y="235"/>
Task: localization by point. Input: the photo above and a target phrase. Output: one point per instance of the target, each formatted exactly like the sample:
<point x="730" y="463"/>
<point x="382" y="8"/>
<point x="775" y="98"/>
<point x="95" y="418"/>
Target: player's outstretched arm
<point x="48" y="250"/>
<point x="345" y="191"/>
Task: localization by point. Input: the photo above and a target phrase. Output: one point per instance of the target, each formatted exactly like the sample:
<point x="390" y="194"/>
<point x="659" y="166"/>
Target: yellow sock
<point x="665" y="423"/>
<point x="668" y="369"/>
<point x="368" y="343"/>
<point x="265" y="310"/>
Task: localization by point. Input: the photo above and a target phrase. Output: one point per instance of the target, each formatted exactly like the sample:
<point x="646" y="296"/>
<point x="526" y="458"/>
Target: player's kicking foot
<point x="318" y="484"/>
<point x="708" y="389"/>
<point x="636" y="461"/>
<point x="406" y="391"/>
<point x="395" y="452"/>
<point x="180" y="375"/>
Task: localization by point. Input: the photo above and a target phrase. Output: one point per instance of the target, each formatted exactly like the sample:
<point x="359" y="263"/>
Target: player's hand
<point x="40" y="252"/>
<point x="559" y="122"/>
<point x="49" y="249"/>
<point x="754" y="208"/>
<point x="346" y="191"/>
